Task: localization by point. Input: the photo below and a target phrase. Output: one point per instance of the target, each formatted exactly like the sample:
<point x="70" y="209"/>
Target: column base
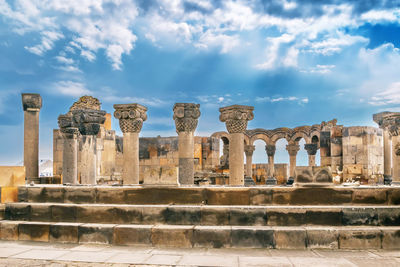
<point x="271" y="181"/>
<point x="248" y="181"/>
<point x="290" y="181"/>
<point x="387" y="179"/>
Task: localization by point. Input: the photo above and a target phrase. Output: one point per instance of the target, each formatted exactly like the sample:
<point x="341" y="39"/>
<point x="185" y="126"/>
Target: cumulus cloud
<point x="70" y="88"/>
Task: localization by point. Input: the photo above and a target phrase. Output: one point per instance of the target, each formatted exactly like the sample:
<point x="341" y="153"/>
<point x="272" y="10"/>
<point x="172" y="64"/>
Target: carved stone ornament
<point x="249" y="149"/>
<point x="236" y="117"/>
<point x="67" y="128"/>
<point x="397" y="149"/>
<point x="389" y="121"/>
<point x="88" y="120"/>
<point x="86" y="102"/>
<point x="31" y="102"/>
<point x="311" y="148"/>
<point x="270" y="149"/>
<point x="292" y="149"/>
<point x="130" y="116"/>
<point x="186" y="116"/>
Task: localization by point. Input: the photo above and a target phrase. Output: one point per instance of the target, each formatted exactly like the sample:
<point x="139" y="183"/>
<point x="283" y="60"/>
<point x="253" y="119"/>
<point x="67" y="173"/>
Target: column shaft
<point x="292" y="166"/>
<point x="271" y="166"/>
<point x="186" y="153"/>
<point x="311" y="160"/>
<point x="70" y="161"/>
<point x="130" y="173"/>
<point x="396" y="159"/>
<point x="249" y="166"/>
<point x="31" y="143"/>
<point x="88" y="160"/>
<point x="387" y="157"/>
<point x="236" y="159"/>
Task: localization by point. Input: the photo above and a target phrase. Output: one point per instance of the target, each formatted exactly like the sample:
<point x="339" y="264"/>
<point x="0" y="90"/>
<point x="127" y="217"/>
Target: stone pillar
<point x="248" y="150"/>
<point x="270" y="149"/>
<point x="384" y="124"/>
<point x="88" y="121"/>
<point x="292" y="150"/>
<point x="236" y="118"/>
<point x="70" y="149"/>
<point x="131" y="118"/>
<point x="31" y="103"/>
<point x="186" y="118"/>
<point x="311" y="151"/>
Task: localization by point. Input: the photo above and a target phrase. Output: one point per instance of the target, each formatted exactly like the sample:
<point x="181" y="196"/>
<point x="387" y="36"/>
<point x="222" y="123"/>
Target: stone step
<point x="205" y="215"/>
<point x="187" y="236"/>
<point x="212" y="195"/>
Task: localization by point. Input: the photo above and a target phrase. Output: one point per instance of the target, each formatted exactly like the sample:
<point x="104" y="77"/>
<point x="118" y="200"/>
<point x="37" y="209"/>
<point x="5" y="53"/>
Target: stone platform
<point x="207" y="217"/>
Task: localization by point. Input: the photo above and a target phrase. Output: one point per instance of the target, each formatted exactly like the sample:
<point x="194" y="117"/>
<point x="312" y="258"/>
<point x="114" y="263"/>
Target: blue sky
<point x="297" y="62"/>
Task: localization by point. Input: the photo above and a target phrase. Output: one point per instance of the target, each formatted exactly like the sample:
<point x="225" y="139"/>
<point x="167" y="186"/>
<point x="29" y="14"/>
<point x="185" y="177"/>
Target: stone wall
<point x="362" y="152"/>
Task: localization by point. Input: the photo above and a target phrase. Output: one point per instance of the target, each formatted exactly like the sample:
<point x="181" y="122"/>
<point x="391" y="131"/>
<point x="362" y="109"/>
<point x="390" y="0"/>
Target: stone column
<point x="31" y="103"/>
<point x="384" y="124"/>
<point x="292" y="150"/>
<point x="236" y="118"/>
<point x="70" y="150"/>
<point x="248" y="150"/>
<point x="186" y="118"/>
<point x="88" y="121"/>
<point x="270" y="149"/>
<point x="131" y="118"/>
<point x="311" y="151"/>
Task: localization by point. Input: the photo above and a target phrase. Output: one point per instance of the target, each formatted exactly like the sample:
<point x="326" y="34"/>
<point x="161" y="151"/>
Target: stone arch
<point x="260" y="136"/>
<point x="279" y="134"/>
<point x="224" y="158"/>
<point x="298" y="135"/>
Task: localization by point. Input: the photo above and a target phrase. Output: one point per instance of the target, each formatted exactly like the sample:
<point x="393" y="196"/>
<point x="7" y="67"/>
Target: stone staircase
<point x="267" y="217"/>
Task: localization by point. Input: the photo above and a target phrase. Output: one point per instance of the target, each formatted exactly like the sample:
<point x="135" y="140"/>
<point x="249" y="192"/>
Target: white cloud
<point x="71" y="88"/>
<point x="375" y="16"/>
<point x="266" y="99"/>
<point x="320" y="69"/>
<point x="390" y="96"/>
<point x="47" y="42"/>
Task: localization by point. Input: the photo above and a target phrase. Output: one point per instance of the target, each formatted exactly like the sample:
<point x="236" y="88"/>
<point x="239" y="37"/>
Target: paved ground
<point x="45" y="254"/>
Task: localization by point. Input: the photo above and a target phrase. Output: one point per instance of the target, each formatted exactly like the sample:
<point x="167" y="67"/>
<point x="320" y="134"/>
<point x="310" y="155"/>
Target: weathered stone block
<point x="282" y="196"/>
<point x="290" y="238"/>
<point x="182" y="215"/>
<point x="35" y="194"/>
<point x="214" y="216"/>
<point x="163" y="195"/>
<point x="316" y="196"/>
<point x="360" y="216"/>
<point x="331" y="216"/>
<point x="391" y="238"/>
<point x="106" y="195"/>
<point x="53" y="194"/>
<point x="126" y="215"/>
<point x="108" y="214"/>
<point x="80" y="195"/>
<point x="9" y="230"/>
<point x="64" y="232"/>
<point x="132" y="235"/>
<point x="96" y="233"/>
<point x="18" y="211"/>
<point x="260" y="197"/>
<point x="247" y="216"/>
<point x="231" y="196"/>
<point x="34" y="231"/>
<point x="370" y="196"/>
<point x="40" y="212"/>
<point x="212" y="237"/>
<point x="394" y="196"/>
<point x="22" y="194"/>
<point x="153" y="214"/>
<point x="63" y="213"/>
<point x="260" y="237"/>
<point x="172" y="236"/>
<point x="285" y="216"/>
<point x="359" y="239"/>
<point x="322" y="238"/>
<point x="389" y="216"/>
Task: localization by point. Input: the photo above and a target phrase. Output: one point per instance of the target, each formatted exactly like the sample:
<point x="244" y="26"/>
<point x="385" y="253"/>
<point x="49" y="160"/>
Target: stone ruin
<point x="347" y="154"/>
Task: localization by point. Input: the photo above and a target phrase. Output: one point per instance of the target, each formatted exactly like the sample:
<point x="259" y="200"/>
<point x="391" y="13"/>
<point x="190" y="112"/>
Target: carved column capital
<point x="130" y="116"/>
<point x="389" y="121"/>
<point x="311" y="148"/>
<point x="270" y="149"/>
<point x="236" y="117"/>
<point x="249" y="149"/>
<point x="186" y="116"/>
<point x="88" y="120"/>
<point x="67" y="129"/>
<point x="31" y="102"/>
<point x="292" y="149"/>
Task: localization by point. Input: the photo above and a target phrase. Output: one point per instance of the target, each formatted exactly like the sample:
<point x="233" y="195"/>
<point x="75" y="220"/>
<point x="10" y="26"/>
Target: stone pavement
<point x="45" y="254"/>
